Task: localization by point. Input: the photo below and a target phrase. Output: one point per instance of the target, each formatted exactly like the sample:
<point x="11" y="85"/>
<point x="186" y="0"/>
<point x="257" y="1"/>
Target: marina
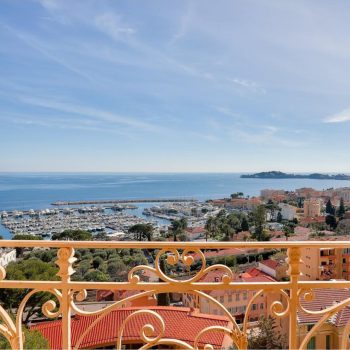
<point x="115" y="219"/>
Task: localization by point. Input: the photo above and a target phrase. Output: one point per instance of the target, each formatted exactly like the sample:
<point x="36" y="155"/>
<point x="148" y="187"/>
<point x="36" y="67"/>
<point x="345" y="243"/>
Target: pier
<point x="120" y="201"/>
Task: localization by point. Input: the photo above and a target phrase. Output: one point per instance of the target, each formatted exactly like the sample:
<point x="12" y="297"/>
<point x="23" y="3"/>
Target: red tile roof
<point x="179" y="324"/>
<point x="325" y="298"/>
<point x="272" y="264"/>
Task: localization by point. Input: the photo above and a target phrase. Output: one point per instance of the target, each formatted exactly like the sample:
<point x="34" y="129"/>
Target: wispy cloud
<point x="61" y="123"/>
<point x="112" y="25"/>
<point x="35" y="44"/>
<point x="185" y="21"/>
<point x="247" y="84"/>
<point x="343" y="116"/>
<point x="100" y="114"/>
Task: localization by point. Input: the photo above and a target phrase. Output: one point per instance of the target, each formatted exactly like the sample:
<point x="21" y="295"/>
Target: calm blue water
<point x="34" y="191"/>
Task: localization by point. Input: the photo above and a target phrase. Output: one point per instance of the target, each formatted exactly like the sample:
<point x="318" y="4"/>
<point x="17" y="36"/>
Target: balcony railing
<point x="67" y="292"/>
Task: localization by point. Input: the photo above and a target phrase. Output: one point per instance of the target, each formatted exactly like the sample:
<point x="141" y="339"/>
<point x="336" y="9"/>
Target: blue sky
<point x="215" y="86"/>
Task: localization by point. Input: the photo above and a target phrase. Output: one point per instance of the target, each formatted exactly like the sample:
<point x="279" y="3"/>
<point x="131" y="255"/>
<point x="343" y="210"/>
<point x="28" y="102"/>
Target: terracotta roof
<point x="179" y="324"/>
<point x="272" y="264"/>
<point x="222" y="252"/>
<point x="193" y="230"/>
<point x="325" y="298"/>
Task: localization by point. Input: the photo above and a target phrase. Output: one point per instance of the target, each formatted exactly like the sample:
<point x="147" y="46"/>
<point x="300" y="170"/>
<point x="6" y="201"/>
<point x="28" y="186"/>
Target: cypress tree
<point x="341" y="210"/>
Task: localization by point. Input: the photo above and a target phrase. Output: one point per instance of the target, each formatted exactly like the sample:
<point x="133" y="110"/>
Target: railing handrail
<point x="177" y="245"/>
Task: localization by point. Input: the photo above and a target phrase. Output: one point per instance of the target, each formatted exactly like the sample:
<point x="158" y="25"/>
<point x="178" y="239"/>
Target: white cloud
<point x="111" y="25"/>
<point x="91" y="112"/>
<point x="247" y="84"/>
<point x="341" y="117"/>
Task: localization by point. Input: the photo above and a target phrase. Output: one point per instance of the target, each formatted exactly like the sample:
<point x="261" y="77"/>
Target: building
<point x="288" y="211"/>
<point x="235" y="301"/>
<point x="324" y="263"/>
<point x="331" y="332"/>
<point x="6" y="256"/>
<point x="194" y="233"/>
<point x="312" y="208"/>
<point x="183" y="324"/>
<point x="274" y="268"/>
<point x="115" y="295"/>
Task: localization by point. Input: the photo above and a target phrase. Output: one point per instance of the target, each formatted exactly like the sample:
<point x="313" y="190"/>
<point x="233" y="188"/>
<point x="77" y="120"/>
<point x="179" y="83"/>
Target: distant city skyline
<point x="186" y="86"/>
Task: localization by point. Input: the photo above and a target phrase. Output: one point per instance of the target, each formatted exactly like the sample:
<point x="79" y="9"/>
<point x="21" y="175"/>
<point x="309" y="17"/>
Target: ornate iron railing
<point x="68" y="292"/>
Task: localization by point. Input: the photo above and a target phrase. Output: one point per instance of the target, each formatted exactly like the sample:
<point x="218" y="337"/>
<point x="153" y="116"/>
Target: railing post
<point x="65" y="262"/>
<point x="294" y="272"/>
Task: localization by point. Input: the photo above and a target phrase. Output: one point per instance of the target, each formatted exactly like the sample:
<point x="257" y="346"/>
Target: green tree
<point x="33" y="340"/>
<point x="341" y="209"/>
<point x="142" y="231"/>
<point x="210" y="227"/>
<point x="330" y="208"/>
<point x="72" y="235"/>
<point x="279" y="217"/>
<point x="178" y="227"/>
<point x="268" y="336"/>
<point x="244" y="224"/>
<point x="28" y="269"/>
<point x="259" y="220"/>
<point x="116" y="269"/>
<point x="25" y="237"/>
<point x="237" y="195"/>
<point x="331" y="221"/>
<point x="96" y="276"/>
<point x="97" y="262"/>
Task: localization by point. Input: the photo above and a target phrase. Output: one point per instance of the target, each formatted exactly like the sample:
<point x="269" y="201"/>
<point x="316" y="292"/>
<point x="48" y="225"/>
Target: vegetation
<point x="237" y="195"/>
<point x="72" y="235"/>
<point x="225" y="225"/>
<point x="331" y="221"/>
<point x="178" y="227"/>
<point x="341" y="209"/>
<point x="268" y="336"/>
<point x="32" y="340"/>
<point x="27" y="269"/>
<point x="142" y="232"/>
<point x="259" y="220"/>
<point x="330" y="208"/>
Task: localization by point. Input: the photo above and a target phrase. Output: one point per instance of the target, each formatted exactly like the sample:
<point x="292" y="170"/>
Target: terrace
<point x="148" y="327"/>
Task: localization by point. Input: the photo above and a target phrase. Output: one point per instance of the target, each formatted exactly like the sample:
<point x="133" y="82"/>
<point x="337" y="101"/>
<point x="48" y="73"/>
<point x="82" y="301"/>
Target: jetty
<point x="120" y="201"/>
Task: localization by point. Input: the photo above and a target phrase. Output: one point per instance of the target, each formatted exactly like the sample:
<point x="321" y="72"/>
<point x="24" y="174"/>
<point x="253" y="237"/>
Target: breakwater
<point x="120" y="201"/>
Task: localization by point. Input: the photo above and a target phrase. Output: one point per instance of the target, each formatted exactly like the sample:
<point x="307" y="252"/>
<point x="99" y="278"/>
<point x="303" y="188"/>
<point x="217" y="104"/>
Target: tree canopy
<point x="142" y="231"/>
<point x="72" y="235"/>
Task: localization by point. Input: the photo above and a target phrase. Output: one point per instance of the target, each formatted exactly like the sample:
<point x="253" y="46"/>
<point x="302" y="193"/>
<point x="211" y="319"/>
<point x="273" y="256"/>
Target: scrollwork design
<point x="2" y="273"/>
<point x="101" y="313"/>
<point x="12" y="331"/>
<point x="309" y="295"/>
<point x="277" y="308"/>
<point x="173" y="258"/>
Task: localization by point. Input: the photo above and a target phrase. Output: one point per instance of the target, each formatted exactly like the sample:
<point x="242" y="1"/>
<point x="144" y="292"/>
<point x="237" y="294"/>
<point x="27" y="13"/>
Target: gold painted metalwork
<point x="68" y="292"/>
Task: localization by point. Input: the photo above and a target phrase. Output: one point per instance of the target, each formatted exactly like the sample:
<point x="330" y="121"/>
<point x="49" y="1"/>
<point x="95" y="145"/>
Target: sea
<point x="24" y="191"/>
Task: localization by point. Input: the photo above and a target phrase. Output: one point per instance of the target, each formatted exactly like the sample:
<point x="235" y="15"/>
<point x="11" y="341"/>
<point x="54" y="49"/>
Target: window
<point x="261" y="306"/>
<point x="237" y="296"/>
<point x="328" y="342"/>
<point x="245" y="296"/>
<point x="221" y="299"/>
<point x="311" y="345"/>
<point x="230" y="298"/>
<point x="254" y="307"/>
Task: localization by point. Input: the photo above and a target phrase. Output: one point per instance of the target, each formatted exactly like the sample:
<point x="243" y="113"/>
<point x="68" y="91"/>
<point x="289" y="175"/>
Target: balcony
<point x="294" y="303"/>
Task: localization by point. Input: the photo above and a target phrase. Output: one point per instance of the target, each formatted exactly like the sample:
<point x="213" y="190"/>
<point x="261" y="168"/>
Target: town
<point x="275" y="216"/>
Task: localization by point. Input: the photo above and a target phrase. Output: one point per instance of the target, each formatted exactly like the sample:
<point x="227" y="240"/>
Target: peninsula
<point x="281" y="175"/>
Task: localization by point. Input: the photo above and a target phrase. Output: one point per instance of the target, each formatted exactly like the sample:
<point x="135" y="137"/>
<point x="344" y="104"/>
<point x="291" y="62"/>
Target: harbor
<point x="115" y="219"/>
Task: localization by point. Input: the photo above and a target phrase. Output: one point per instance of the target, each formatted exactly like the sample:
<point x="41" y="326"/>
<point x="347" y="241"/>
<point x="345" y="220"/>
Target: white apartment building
<point x="6" y="256"/>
